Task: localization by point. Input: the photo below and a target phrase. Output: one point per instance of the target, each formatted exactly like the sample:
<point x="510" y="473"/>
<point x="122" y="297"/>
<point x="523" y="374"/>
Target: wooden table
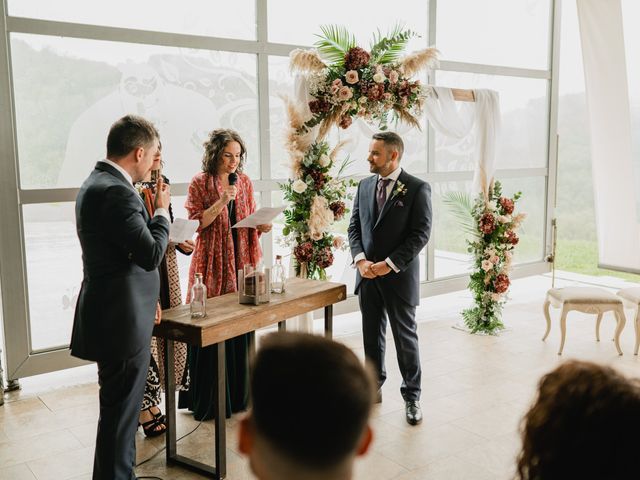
<point x="226" y="319"/>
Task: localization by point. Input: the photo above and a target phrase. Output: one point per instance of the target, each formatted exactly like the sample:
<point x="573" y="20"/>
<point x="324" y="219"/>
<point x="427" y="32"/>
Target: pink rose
<point x="351" y="77"/>
<point x="337" y="82"/>
<point x="345" y="93"/>
<point x="393" y="76"/>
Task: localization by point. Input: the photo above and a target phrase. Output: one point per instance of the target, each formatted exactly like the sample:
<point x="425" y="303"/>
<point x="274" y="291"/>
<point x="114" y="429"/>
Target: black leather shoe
<point x="413" y="412"/>
<point x="379" y="396"/>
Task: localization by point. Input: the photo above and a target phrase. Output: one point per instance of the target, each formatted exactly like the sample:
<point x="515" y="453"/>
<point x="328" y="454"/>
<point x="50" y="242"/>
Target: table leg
<point x="219" y="470"/>
<point x="220" y="393"/>
<point x="282" y="326"/>
<point x="328" y="321"/>
<point x="170" y="399"/>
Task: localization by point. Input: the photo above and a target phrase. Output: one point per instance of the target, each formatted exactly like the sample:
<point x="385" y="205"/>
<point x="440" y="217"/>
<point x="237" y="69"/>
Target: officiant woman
<point x="218" y="197"/>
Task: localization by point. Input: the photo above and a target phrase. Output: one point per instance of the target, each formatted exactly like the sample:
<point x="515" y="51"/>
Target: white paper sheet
<point x="182" y="230"/>
<point x="260" y="217"/>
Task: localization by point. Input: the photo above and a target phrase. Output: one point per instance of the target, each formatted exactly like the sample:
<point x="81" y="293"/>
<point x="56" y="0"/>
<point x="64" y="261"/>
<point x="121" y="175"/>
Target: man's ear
<point x="245" y="436"/>
<point x="365" y="442"/>
<point x="139" y="154"/>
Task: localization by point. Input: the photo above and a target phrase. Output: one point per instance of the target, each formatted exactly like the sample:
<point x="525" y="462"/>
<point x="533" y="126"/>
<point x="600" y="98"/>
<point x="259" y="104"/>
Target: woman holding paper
<point x="219" y="197"/>
<point x="151" y="417"/>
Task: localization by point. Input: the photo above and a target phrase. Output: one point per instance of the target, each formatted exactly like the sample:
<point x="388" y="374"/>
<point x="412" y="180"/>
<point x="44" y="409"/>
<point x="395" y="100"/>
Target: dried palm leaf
<point x="407" y="118"/>
<point x="329" y="121"/>
<point x="337" y="148"/>
<point x="305" y="61"/>
<point x="416" y="61"/>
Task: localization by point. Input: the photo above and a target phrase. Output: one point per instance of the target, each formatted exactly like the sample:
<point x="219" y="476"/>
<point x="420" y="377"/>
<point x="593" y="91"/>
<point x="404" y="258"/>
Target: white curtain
<point x="607" y="92"/>
<point x="461" y="119"/>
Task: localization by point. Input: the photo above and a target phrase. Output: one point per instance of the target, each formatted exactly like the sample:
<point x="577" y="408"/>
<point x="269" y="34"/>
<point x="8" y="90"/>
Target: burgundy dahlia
<point x="325" y="258"/>
<point x="356" y="58"/>
<point x="303" y="252"/>
<point x="338" y="208"/>
<point x="375" y="91"/>
<point x="512" y="238"/>
<point x="319" y="105"/>
<point x="487" y="223"/>
<point x="318" y="178"/>
<point x="506" y="204"/>
<point x="345" y="121"/>
<point x="501" y="283"/>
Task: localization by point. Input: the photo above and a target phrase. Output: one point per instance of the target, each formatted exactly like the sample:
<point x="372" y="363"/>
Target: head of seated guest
<point x="584" y="424"/>
<point x="311" y="401"/>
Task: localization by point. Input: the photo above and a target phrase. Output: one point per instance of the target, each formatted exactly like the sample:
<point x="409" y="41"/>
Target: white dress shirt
<point x="393" y="176"/>
<point x="159" y="211"/>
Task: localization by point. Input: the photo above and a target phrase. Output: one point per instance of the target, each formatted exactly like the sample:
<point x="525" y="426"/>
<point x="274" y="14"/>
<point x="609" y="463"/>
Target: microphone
<point x="233" y="178"/>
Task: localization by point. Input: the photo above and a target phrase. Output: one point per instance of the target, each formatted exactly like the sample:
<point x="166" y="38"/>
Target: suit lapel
<point x="369" y="198"/>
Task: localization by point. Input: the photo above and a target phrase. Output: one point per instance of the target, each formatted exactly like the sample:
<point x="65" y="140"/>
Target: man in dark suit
<point x="121" y="250"/>
<point x="390" y="225"/>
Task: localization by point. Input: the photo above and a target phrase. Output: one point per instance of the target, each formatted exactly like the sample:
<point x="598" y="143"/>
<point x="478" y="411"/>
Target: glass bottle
<point x="278" y="276"/>
<point x="198" y="298"/>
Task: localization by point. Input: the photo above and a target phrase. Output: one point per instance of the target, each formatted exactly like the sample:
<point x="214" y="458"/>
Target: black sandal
<point x="150" y="428"/>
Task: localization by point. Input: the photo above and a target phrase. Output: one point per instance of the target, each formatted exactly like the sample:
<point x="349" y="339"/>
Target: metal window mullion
<point x="15" y="312"/>
<point x="551" y="183"/>
<point x="487" y="69"/>
<point x="431" y="134"/>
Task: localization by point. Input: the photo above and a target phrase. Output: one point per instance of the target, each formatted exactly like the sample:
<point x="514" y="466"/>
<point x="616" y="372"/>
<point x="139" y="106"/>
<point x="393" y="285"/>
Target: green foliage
<point x="461" y="206"/>
<point x="492" y="225"/>
<point x="388" y="49"/>
<point x="334" y="43"/>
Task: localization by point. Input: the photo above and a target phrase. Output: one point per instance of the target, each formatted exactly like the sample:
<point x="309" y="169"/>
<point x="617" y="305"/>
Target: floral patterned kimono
<point x="218" y="256"/>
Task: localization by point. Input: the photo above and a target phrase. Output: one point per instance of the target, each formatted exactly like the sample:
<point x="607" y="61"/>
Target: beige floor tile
<point x="429" y="445"/>
<point x="63" y="466"/>
<point x="450" y="469"/>
<point x="22" y="406"/>
<point x="40" y="446"/>
<point x="17" y="472"/>
<point x="374" y="465"/>
<point x="70" y="397"/>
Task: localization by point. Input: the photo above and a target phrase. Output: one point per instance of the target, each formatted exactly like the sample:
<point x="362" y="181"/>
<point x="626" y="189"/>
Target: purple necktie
<point x="381" y="193"/>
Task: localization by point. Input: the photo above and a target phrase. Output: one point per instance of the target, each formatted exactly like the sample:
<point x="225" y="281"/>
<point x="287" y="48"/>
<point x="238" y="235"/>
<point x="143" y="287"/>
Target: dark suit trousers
<point x="376" y="304"/>
<point x="121" y="388"/>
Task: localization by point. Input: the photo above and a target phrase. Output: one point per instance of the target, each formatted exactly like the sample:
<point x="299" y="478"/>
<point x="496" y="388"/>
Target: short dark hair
<point x="311" y="398"/>
<point x="392" y="141"/>
<point x="584" y="424"/>
<point x="213" y="147"/>
<point x="128" y="133"/>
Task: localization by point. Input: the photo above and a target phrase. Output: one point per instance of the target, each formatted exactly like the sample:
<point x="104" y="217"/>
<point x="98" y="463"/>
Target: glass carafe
<point x="198" y="298"/>
<point x="277" y="276"/>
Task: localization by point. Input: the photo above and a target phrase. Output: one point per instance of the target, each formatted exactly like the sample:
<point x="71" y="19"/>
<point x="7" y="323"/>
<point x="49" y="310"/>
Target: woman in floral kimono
<point x="220" y="252"/>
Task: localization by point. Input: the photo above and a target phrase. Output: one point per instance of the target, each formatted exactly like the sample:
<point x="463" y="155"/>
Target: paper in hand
<point x="182" y="230"/>
<point x="260" y="217"/>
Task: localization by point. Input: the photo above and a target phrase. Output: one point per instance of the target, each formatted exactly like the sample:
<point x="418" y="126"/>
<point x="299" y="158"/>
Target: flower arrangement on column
<point x="343" y="81"/>
<point x="492" y="223"/>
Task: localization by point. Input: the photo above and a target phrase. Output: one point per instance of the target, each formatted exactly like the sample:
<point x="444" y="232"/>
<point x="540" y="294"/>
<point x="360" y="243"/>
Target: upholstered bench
<point x="586" y="300"/>
<point x="631" y="299"/>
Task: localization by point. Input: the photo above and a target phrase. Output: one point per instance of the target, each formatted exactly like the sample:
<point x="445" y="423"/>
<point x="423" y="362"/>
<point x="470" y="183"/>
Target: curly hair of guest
<point x="584" y="424"/>
<point x="213" y="147"/>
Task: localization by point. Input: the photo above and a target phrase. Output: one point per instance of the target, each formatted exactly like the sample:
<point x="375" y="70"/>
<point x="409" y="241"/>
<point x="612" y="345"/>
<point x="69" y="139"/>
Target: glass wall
<point x="200" y="65"/>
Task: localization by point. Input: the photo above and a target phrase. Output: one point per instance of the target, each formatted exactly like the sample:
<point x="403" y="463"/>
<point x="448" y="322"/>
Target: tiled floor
<point x="476" y="389"/>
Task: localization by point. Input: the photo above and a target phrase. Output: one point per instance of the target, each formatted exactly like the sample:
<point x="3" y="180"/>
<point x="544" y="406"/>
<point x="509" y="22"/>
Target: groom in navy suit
<point x="121" y="250"/>
<point x="390" y="225"/>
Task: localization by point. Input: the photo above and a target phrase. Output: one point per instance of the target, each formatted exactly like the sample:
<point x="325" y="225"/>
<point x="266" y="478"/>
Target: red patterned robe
<point x="214" y="255"/>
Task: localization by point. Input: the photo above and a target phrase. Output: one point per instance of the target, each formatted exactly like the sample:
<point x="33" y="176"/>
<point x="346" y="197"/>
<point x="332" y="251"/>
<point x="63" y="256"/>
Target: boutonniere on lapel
<point x="398" y="193"/>
<point x="139" y="186"/>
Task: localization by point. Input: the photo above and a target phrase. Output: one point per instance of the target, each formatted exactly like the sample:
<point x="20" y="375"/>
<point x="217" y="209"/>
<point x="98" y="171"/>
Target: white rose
<point x="299" y="186"/>
<point x="492" y="205"/>
<point x="495" y="297"/>
<point x="487" y="265"/>
<point x="504" y="218"/>
<point x="324" y="160"/>
<point x="379" y="77"/>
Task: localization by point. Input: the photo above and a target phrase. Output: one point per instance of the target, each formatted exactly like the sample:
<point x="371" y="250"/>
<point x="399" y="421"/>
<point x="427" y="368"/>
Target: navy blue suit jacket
<point x="121" y="250"/>
<point x="400" y="232"/>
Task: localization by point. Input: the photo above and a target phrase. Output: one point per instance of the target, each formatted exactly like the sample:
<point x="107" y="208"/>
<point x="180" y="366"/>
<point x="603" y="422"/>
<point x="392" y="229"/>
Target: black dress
<point x="200" y="398"/>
